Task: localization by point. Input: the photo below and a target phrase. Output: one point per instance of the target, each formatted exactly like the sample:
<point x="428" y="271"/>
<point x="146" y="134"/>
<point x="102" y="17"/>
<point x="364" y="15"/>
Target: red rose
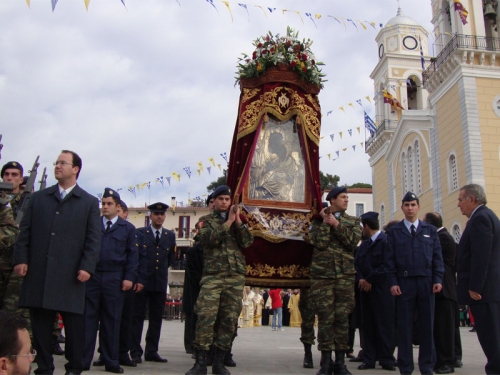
<point x="304" y="57"/>
<point x="272" y="50"/>
<point x="264" y="51"/>
<point x="304" y="69"/>
<point x="254" y="55"/>
<point x="313" y="62"/>
<point x="268" y="38"/>
<point x="259" y="45"/>
<point x="293" y="64"/>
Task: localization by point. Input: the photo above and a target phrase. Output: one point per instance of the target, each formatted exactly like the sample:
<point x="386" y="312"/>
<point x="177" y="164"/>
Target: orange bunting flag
<point x="86" y="4"/>
<point x="229" y="9"/>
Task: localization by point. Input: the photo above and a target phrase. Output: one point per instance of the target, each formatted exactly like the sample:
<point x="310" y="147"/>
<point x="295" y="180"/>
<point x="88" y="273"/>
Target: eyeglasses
<point x="62" y="163"/>
<point x="31" y="355"/>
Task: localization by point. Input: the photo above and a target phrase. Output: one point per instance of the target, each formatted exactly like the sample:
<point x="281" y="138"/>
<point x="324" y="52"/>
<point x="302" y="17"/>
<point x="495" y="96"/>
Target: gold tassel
<point x="266" y="119"/>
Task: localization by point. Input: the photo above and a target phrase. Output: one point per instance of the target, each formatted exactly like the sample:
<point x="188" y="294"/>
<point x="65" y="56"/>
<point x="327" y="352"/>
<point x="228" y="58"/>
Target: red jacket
<point x="276" y="298"/>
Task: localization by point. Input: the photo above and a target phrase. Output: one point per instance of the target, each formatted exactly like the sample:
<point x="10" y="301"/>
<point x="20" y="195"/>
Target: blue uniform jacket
<point x="408" y="257"/>
<point x="159" y="258"/>
<point x="369" y="261"/>
<point x="119" y="250"/>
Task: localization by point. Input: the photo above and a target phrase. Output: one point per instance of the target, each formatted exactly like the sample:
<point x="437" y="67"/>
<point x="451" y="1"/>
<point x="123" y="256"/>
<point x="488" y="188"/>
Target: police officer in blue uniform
<point x="378" y="306"/>
<point x="415" y="268"/>
<point x="160" y="247"/>
<point x="115" y="273"/>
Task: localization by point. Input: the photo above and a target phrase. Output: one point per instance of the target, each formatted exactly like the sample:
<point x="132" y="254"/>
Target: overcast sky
<point x="144" y="91"/>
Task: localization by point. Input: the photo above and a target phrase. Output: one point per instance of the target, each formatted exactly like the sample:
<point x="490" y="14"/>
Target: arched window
<point x="452" y="172"/>
<point x="456" y="233"/>
<point x="418" y="174"/>
<point x="411" y="170"/>
<point x="382" y="215"/>
<point x="404" y="173"/>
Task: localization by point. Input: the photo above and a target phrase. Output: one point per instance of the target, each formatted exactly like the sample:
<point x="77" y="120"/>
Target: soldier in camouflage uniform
<point x="8" y="235"/>
<point x="307" y="326"/>
<point x="222" y="235"/>
<point x="334" y="237"/>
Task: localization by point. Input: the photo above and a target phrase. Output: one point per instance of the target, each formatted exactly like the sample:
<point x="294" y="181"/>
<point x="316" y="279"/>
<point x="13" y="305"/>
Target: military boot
<point x="218" y="365"/>
<point x="200" y="366"/>
<point x="211" y="355"/>
<point x="308" y="356"/>
<point x="228" y="359"/>
<point x="339" y="368"/>
<point x="325" y="363"/>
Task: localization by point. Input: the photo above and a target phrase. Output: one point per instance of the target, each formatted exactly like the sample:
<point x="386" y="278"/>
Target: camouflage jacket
<point x="333" y="248"/>
<point x="8" y="228"/>
<point x="222" y="246"/>
<point x="14" y="203"/>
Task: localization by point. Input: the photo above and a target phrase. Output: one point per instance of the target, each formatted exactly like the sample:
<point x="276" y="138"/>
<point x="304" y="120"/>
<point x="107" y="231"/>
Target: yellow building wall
<point x="381" y="181"/>
<point x="487" y="90"/>
<point x="449" y="127"/>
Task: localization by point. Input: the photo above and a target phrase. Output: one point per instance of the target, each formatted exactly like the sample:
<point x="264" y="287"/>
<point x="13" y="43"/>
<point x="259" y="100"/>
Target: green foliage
<point x="328" y="182"/>
<point x="220" y="181"/>
<point x="360" y="185"/>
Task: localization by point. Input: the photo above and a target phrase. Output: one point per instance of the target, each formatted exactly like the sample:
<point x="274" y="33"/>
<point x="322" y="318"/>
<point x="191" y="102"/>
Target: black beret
<point x="409" y="196"/>
<point x="158" y="207"/>
<point x="370" y="215"/>
<point x="108" y="193"/>
<point x="124" y="205"/>
<point x="12" y="165"/>
<point x="208" y="199"/>
<point x="335" y="192"/>
<point x="221" y="190"/>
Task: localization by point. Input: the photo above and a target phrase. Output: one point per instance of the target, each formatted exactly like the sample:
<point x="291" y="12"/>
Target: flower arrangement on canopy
<point x="273" y="50"/>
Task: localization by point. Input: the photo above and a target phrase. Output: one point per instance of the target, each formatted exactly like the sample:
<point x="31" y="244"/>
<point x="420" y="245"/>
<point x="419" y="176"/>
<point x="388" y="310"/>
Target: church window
<point x="456" y="233"/>
<point x="452" y="173"/>
<point x="382" y="215"/>
<point x="404" y="173"/>
<point x="411" y="170"/>
<point x="418" y="174"/>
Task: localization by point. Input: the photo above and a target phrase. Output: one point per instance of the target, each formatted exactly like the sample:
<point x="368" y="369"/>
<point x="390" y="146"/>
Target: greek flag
<point x="370" y="125"/>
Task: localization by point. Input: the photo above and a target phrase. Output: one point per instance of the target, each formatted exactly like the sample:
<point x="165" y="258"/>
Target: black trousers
<point x="444" y="331"/>
<point x="487" y="323"/>
<point x="156" y="304"/>
<point x="126" y="323"/>
<point x="42" y="323"/>
<point x="188" y="341"/>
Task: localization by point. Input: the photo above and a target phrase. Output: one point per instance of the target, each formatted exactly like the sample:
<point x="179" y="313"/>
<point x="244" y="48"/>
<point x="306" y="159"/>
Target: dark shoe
<point x="365" y="366"/>
<point x="308" y="357"/>
<point x="458" y="363"/>
<point x="444" y="370"/>
<point x="325" y="363"/>
<point x="71" y="373"/>
<point x="200" y="366"/>
<point x="128" y="362"/>
<point x="155" y="358"/>
<point x="228" y="360"/>
<point x="99" y="362"/>
<point x="389" y="367"/>
<point x="137" y="359"/>
<point x="218" y="365"/>
<point x="86" y="369"/>
<point x="114" y="369"/>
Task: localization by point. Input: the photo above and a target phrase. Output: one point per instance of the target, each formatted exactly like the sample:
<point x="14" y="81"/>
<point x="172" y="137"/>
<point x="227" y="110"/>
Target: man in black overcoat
<point x="478" y="271"/>
<point x="57" y="252"/>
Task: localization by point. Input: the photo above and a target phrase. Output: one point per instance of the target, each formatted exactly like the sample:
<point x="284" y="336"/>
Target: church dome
<point x="400" y="19"/>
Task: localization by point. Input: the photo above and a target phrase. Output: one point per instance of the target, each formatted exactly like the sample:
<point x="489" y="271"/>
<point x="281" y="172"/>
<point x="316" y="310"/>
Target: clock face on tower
<point x="410" y="42"/>
<point x="381" y="51"/>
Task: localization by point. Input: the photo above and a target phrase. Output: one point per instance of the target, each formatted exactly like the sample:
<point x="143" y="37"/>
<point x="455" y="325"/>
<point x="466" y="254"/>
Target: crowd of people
<point x="401" y="285"/>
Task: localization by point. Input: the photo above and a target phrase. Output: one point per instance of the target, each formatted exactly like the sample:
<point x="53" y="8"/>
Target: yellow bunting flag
<point x="298" y="13"/>
<point x="199" y="172"/>
<point x="144" y="185"/>
<point x="342" y="108"/>
<point x="200" y="165"/>
<point x="328" y="156"/>
<point x="359" y="130"/>
<point x="368" y="98"/>
<point x="263" y="11"/>
<point x="28" y="2"/>
<point x="229" y="9"/>
<point x="218" y="165"/>
<point x="212" y="160"/>
<point x="361" y="144"/>
<point x="351" y="105"/>
<point x="340" y="133"/>
<point x="138" y="187"/>
<point x="344" y="149"/>
<point x="86" y="4"/>
<point x="318" y="16"/>
<point x="361" y="23"/>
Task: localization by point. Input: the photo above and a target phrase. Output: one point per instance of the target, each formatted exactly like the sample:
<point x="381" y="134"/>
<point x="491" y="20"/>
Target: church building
<point x="438" y="118"/>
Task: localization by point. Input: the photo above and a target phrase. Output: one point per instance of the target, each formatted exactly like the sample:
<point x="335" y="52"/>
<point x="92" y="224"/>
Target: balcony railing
<point x="380" y="130"/>
<point x="471" y="42"/>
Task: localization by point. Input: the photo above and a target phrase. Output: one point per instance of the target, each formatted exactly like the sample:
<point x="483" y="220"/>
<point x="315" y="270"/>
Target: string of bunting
<point x="229" y="5"/>
<point x="136" y="188"/>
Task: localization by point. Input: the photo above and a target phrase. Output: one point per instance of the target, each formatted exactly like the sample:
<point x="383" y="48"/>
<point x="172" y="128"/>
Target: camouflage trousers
<point x="333" y="301"/>
<point x="220" y="297"/>
<point x="308" y="316"/>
